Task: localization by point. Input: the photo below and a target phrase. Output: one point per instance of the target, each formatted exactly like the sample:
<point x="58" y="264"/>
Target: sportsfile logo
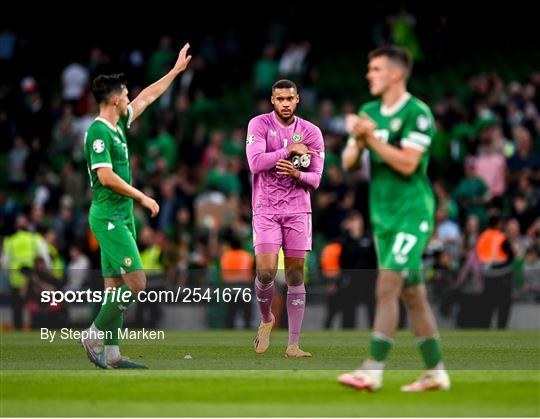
<point x="124" y="298"/>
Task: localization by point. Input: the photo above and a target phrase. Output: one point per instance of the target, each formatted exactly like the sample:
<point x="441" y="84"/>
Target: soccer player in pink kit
<point x="282" y="206"/>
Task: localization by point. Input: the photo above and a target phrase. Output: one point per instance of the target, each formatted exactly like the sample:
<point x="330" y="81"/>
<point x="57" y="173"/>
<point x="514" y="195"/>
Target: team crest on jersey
<point x="98" y="146"/>
<point x="395" y="124"/>
<point x="128" y="261"/>
<point x="250" y="139"/>
<point x="297" y="138"/>
<point x="422" y="122"/>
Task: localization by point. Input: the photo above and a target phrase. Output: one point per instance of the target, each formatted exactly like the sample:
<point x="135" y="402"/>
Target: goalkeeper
<point x="282" y="207"/>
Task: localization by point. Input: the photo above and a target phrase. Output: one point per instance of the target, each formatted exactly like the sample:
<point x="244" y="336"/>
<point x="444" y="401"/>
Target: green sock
<point x="380" y="347"/>
<point x="431" y="351"/>
<point x="115" y="327"/>
<point x="111" y="310"/>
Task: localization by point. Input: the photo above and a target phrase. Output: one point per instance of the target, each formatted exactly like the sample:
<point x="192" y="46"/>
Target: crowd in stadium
<point x="188" y="153"/>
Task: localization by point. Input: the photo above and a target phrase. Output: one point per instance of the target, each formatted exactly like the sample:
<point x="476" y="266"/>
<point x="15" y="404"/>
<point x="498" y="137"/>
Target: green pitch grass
<point x="493" y="374"/>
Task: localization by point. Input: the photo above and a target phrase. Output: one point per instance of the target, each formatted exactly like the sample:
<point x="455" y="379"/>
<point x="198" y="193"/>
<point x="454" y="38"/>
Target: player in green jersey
<point x="111" y="213"/>
<point x="397" y="129"/>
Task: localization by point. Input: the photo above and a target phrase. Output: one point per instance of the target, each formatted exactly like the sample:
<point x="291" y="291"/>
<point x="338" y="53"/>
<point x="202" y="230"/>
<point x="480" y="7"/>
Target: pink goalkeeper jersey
<point x="266" y="143"/>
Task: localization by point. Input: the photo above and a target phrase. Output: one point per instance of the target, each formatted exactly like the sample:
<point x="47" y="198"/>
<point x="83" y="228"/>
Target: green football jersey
<point x="106" y="146"/>
<point x="398" y="201"/>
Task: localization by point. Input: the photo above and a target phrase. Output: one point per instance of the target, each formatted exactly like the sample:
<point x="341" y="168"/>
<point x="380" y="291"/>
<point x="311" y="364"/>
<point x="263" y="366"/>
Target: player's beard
<point x="288" y="117"/>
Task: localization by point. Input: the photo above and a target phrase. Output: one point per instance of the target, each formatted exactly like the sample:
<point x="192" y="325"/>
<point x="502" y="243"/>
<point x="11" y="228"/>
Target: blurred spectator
<point x="36" y="158"/>
<point x="20" y="251"/>
<point x="331" y="271"/>
<point x="39" y="221"/>
<point x="169" y="204"/>
<point x="496" y="256"/>
<point x="469" y="288"/>
<point x="160" y="60"/>
<point x="524" y="160"/>
<point x="525" y="204"/>
<point x="328" y="120"/>
<point x="163" y="146"/>
<point x="212" y="154"/>
<point x="491" y="168"/>
<point x="78" y="269"/>
<point x="57" y="261"/>
<point x="531" y="274"/>
<point x="224" y="177"/>
<point x="32" y="112"/>
<point x="74" y="82"/>
<point x="472" y="194"/>
<point x="149" y="314"/>
<point x="17" y="159"/>
<point x="66" y="225"/>
<point x="471" y="233"/>
<point x="236" y="267"/>
<point x="403" y="33"/>
<point x="72" y="183"/>
<point x="266" y="71"/>
<point x="65" y="135"/>
<point x="447" y="231"/>
<point x="8" y="43"/>
<point x="292" y="64"/>
<point x="333" y="199"/>
<point x="520" y="244"/>
<point x="358" y="263"/>
<point x="41" y="279"/>
<point x="234" y="145"/>
<point x="99" y="63"/>
<point x="445" y="200"/>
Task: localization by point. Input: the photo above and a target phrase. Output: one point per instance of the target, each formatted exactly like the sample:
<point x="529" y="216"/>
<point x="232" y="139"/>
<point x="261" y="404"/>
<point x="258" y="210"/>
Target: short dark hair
<point x="233" y="239"/>
<point x="354" y="214"/>
<point x="105" y="85"/>
<point x="494" y="217"/>
<point x="284" y="84"/>
<point x="397" y="54"/>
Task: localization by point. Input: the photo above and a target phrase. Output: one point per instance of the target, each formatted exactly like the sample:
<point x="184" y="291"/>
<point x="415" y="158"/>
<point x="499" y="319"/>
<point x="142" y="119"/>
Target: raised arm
<point x="155" y="90"/>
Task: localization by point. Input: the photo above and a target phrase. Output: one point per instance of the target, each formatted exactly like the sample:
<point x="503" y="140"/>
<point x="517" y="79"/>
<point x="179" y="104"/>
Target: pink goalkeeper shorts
<point x="292" y="232"/>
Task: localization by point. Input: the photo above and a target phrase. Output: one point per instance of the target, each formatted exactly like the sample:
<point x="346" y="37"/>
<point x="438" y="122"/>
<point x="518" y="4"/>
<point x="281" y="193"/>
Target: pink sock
<point x="264" y="295"/>
<point x="296" y="303"/>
